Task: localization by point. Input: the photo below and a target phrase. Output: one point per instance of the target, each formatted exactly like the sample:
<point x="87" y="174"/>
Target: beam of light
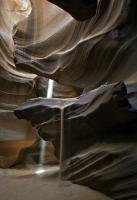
<point x="48" y="170"/>
<point x="43" y="143"/>
<point x="50" y="88"/>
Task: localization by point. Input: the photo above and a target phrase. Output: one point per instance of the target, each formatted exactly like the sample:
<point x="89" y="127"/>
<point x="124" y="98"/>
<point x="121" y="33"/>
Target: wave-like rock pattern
<point x="81" y="55"/>
<point x="84" y="54"/>
<point x="15" y="87"/>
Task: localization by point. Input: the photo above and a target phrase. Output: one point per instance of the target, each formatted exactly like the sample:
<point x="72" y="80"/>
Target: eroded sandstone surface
<point x="91" y="56"/>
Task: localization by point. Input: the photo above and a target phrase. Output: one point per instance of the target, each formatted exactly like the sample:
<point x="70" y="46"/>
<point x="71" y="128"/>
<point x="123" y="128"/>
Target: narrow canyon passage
<point x="68" y="99"/>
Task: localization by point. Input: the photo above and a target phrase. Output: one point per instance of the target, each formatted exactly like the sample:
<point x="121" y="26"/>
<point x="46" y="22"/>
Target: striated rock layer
<point x="15" y="87"/>
<point x="98" y="147"/>
<point x="83" y="54"/>
<point x="99" y="136"/>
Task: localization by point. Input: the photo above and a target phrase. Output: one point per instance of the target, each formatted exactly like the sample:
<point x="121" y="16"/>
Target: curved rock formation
<point x="79" y="9"/>
<point x="15" y="87"/>
<point x="103" y="45"/>
<point x="100" y="125"/>
<point x="99" y="138"/>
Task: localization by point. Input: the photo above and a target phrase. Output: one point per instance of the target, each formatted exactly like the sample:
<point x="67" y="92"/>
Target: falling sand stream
<point x="61" y="138"/>
<point x="44" y="143"/>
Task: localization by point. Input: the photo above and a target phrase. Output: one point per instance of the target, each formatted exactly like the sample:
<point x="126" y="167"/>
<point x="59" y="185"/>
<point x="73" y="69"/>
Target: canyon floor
<point x="31" y="184"/>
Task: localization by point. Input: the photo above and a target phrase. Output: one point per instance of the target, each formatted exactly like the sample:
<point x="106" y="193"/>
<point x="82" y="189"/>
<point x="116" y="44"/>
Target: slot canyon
<point x="68" y="99"/>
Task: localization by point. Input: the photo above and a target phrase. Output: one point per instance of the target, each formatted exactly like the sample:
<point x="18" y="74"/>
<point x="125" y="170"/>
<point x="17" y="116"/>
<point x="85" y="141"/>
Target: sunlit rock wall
<point x="100" y="125"/>
<point x="15" y="86"/>
<point x="83" y="54"/>
<point x="99" y="130"/>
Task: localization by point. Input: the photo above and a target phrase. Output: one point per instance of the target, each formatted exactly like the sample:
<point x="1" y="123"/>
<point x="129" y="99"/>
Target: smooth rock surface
<point x="81" y="54"/>
<point x="43" y="187"/>
<point x="15" y="87"/>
